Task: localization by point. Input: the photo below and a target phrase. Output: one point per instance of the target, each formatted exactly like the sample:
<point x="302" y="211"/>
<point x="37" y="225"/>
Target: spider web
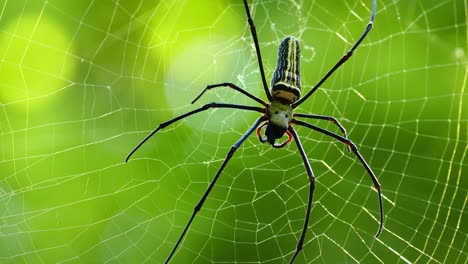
<point x="83" y="81"/>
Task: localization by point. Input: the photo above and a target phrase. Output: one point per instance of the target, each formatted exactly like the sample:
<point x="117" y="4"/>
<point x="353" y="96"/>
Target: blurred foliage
<point x="83" y="81"/>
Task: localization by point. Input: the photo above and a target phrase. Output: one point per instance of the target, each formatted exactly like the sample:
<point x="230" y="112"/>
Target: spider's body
<point x="278" y="118"/>
<point x="285" y="90"/>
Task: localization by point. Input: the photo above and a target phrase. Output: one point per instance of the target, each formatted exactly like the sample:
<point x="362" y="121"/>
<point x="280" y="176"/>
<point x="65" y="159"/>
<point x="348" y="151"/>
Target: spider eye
<point x="286" y="115"/>
<point x="277" y="112"/>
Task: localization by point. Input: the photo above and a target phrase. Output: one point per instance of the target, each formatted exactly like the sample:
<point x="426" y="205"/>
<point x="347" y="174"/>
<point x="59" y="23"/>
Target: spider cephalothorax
<point x="278" y="118"/>
<point x="280" y="115"/>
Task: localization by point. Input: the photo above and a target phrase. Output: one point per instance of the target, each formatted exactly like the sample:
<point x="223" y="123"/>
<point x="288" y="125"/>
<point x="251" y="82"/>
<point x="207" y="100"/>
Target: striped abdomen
<point x="286" y="81"/>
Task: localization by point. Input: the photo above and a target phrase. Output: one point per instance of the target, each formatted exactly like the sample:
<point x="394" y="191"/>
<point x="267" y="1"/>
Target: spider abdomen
<point x="286" y="81"/>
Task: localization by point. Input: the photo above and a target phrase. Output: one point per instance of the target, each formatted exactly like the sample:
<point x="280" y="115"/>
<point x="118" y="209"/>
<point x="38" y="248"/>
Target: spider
<point x="278" y="118"/>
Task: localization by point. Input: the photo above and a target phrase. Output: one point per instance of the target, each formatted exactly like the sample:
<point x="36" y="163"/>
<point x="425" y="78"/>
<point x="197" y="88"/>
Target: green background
<point x="82" y="82"/>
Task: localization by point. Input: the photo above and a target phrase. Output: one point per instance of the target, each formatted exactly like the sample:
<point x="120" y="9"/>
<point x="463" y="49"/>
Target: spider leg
<point x="257" y="50"/>
<point x="202" y="108"/>
<point x="361" y="159"/>
<point x="233" y="86"/>
<point x="311" y="177"/>
<point x="213" y="182"/>
<point x="328" y="118"/>
<point x="343" y="59"/>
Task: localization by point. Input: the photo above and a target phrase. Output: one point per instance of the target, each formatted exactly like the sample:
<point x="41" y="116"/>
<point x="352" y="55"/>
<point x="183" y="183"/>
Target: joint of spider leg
<point x="311" y="179"/>
<point x="334" y="121"/>
<point x="208" y="105"/>
<point x="251" y="25"/>
<point x="197" y="208"/>
<point x="347" y="56"/>
<point x="351" y="145"/>
<point x="299" y="247"/>
<point x="209" y="87"/>
<point x="231" y="152"/>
